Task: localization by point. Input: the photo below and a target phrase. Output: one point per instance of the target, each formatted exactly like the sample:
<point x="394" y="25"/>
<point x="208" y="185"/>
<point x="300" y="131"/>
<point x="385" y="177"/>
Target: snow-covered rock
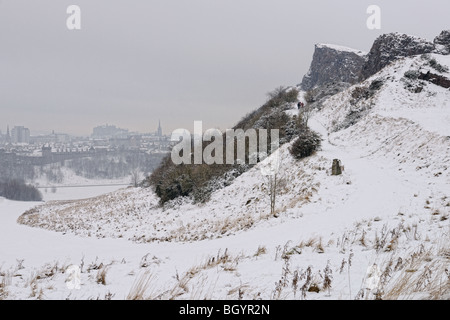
<point x="442" y="42"/>
<point x="392" y="46"/>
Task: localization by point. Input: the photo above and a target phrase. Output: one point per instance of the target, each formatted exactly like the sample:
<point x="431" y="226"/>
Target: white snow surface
<point x="391" y="207"/>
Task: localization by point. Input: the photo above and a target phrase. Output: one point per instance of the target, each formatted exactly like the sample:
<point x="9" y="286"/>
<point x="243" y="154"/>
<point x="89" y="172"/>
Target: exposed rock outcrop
<point x="390" y="47"/>
<point x="335" y="68"/>
<point x="436" y="79"/>
<point x="333" y="64"/>
<point x="442" y="42"/>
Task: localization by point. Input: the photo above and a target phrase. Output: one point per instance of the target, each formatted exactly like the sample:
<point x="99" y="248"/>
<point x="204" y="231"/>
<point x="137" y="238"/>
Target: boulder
<point x="336" y="167"/>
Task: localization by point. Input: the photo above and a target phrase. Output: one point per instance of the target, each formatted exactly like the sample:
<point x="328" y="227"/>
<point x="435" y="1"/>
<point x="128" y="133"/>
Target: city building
<point x="109" y="131"/>
<point x="20" y="134"/>
<point x="8" y="135"/>
<point x="50" y="138"/>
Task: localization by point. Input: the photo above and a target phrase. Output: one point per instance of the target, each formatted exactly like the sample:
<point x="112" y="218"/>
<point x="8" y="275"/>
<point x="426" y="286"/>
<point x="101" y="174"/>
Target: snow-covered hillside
<point x="135" y="213"/>
<point x="390" y="208"/>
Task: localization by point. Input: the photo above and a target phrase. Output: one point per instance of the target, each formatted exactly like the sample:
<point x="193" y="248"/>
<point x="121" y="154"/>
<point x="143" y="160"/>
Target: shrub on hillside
<point x="279" y="100"/>
<point x="307" y="143"/>
<point x="282" y="95"/>
<point x="309" y="96"/>
<point x="376" y="85"/>
<point x="412" y="74"/>
<point x="437" y="66"/>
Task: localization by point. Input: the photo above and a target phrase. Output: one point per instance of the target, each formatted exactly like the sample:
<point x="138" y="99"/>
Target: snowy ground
<point x="78" y="192"/>
<point x="391" y="208"/>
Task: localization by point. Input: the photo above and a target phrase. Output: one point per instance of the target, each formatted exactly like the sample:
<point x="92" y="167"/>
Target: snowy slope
<point x="390" y="207"/>
<point x="135" y="214"/>
<point x="408" y="130"/>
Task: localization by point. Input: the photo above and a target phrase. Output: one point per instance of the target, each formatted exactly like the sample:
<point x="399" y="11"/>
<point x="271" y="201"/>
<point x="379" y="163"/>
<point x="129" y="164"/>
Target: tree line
<point x="19" y="191"/>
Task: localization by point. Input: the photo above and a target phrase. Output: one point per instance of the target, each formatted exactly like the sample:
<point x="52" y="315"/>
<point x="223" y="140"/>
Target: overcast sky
<point x="136" y="61"/>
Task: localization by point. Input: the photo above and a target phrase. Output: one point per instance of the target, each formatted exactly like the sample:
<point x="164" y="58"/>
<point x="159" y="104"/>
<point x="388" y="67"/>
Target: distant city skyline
<point x="3" y="132"/>
<point x="179" y="61"/>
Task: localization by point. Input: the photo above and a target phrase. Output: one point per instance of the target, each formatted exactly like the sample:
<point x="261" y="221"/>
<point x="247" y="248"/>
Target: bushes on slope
<point x="307" y="143"/>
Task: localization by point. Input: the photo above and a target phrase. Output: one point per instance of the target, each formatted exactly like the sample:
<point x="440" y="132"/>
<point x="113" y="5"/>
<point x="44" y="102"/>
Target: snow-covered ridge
<point x="392" y="46"/>
<point x="341" y="48"/>
<point x="401" y="35"/>
<point x="429" y="108"/>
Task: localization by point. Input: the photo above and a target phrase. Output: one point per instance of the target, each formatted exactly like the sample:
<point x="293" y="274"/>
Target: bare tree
<point x="136" y="176"/>
<point x="272" y="185"/>
<point x="273" y="178"/>
<point x="305" y="114"/>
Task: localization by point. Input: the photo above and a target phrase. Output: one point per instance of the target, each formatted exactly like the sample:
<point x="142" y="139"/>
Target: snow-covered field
<point x="391" y="207"/>
<point x="78" y="192"/>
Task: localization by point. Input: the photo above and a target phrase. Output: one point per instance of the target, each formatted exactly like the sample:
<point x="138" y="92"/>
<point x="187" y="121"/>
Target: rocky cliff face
<point x="390" y="47"/>
<point x="333" y="64"/>
<point x="338" y="67"/>
<point x="442" y="42"/>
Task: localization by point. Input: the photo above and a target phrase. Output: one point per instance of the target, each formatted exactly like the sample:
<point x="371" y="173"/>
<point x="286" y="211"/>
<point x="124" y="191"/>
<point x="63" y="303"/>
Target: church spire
<point x="159" y="132"/>
<point x="8" y="136"/>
